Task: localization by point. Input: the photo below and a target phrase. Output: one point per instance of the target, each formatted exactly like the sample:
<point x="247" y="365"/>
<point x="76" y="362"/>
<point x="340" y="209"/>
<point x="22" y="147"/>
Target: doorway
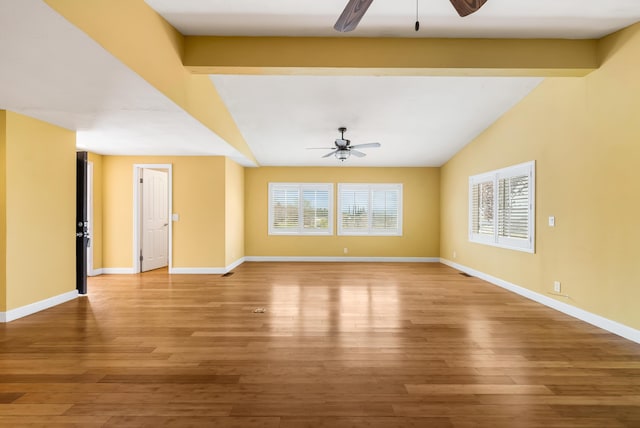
<point x="152" y="226"/>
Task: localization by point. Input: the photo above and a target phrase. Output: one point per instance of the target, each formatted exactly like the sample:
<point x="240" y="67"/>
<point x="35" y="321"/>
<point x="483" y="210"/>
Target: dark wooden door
<point x="82" y="222"/>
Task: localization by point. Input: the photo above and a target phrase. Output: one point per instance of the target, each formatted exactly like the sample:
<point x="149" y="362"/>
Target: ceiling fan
<point x="355" y="10"/>
<point x="343" y="148"/>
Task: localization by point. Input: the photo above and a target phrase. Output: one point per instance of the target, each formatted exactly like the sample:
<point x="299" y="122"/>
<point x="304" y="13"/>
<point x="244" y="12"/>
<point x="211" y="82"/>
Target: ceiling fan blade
<point x="467" y="7"/>
<point x="365" y="145"/>
<point x="321" y="148"/>
<point x="352" y="14"/>
<point x="358" y="154"/>
<point x="330" y="154"/>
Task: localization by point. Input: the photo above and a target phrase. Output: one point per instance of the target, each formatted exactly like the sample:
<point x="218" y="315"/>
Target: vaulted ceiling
<point x="283" y="80"/>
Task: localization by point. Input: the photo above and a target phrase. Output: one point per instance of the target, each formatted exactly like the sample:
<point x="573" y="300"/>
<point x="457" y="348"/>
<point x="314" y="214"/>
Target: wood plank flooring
<point x="339" y="345"/>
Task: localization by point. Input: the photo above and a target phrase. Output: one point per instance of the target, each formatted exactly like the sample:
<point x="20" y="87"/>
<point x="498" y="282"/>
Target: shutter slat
<point x="513" y="211"/>
<point x="483" y="208"/>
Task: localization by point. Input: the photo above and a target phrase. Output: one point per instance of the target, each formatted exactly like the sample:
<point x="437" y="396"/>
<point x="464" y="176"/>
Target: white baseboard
<point x="196" y="271"/>
<point x="235" y="264"/>
<point x="206" y="270"/>
<point x="342" y="259"/>
<point x="591" y="318"/>
<point x="95" y="272"/>
<point x="32" y="308"/>
<point x="223" y="270"/>
<point x="118" y="271"/>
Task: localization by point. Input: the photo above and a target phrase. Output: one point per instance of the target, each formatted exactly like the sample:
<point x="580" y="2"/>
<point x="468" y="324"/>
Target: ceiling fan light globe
<point x="342" y="155"/>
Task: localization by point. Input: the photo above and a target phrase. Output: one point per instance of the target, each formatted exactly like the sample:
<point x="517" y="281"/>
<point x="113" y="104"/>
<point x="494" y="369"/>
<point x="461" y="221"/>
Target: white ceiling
<point x="420" y="121"/>
<point x="53" y="71"/>
<point x="395" y="18"/>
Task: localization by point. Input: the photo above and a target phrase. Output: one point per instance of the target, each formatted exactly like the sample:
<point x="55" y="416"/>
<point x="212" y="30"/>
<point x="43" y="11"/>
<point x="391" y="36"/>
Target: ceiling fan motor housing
<point x="342" y="142"/>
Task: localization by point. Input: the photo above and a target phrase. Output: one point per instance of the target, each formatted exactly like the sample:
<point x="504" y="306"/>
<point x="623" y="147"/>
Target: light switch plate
<point x="175" y="217"/>
<point x="552" y="221"/>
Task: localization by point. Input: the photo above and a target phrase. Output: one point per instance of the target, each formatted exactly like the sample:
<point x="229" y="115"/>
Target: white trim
<point x="588" y="317"/>
<point x="342" y="259"/>
<point x="90" y="271"/>
<point x="206" y="270"/>
<point x="235" y="264"/>
<point x="198" y="271"/>
<point x="32" y="308"/>
<point x="118" y="271"/>
<point x="136" y="211"/>
<point x="96" y="272"/>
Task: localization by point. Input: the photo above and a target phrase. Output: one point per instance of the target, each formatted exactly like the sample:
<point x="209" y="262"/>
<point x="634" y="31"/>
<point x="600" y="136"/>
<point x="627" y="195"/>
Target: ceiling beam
<point x="390" y="56"/>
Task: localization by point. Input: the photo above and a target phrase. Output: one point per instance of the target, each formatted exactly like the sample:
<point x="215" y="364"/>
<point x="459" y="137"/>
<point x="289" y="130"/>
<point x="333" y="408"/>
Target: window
<point x="370" y="209"/>
<point x="300" y="209"/>
<point x="501" y="207"/>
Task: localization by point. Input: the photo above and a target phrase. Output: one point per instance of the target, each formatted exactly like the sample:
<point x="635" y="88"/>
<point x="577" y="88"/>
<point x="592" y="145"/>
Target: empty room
<point x="335" y="213"/>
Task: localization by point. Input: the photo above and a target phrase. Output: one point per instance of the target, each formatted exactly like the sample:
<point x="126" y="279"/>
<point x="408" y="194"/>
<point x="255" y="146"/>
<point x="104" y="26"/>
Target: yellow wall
<point x="234" y="212"/>
<point x="421" y="221"/>
<point x="117" y="212"/>
<point x="96" y="160"/>
<point x="198" y="197"/>
<point x="3" y="212"/>
<point x="40" y="210"/>
<point x="371" y="56"/>
<point x="584" y="134"/>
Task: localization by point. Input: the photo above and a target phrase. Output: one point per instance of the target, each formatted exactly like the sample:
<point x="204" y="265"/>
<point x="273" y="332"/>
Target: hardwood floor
<point x="339" y="345"/>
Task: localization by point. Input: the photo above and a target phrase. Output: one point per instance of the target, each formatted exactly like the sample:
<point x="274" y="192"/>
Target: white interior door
<point x="155" y="220"/>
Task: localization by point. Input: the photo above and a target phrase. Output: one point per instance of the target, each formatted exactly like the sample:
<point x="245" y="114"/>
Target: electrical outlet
<point x="455" y="254"/>
<point x="346" y="250"/>
<point x="556" y="286"/>
<point x="552" y="221"/>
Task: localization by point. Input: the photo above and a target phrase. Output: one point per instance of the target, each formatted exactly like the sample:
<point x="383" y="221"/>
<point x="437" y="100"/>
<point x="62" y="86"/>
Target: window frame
<point x="370" y="187"/>
<point x="494" y="177"/>
<point x="301" y="188"/>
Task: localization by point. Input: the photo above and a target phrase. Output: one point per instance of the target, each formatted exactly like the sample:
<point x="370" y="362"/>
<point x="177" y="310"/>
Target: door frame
<point x="137" y="218"/>
<point x="90" y="270"/>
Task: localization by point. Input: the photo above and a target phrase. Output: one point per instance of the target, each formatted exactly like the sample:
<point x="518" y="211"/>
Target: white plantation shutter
<point x="384" y="210"/>
<point x="315" y="209"/>
<point x="513" y="212"/>
<point x="354" y="209"/>
<point x="483" y="208"/>
<point x="370" y="209"/>
<point x="300" y="209"/>
<point x="501" y="207"/>
<point x="285" y="201"/>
